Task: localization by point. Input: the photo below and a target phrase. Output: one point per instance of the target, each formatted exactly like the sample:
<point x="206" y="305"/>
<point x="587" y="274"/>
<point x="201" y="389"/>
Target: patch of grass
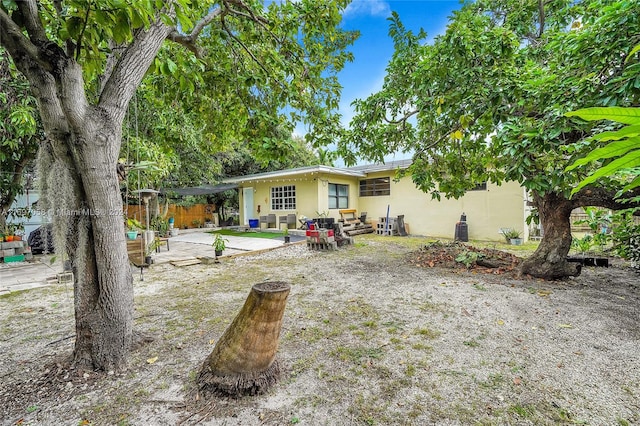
<point x="494" y="381"/>
<point x="522" y="411"/>
<point x="369" y="411"/>
<point x="249" y="234"/>
<point x="355" y="355"/>
<point x="410" y="370"/>
<point x="427" y="333"/>
<point x="422" y="347"/>
<point x="471" y="343"/>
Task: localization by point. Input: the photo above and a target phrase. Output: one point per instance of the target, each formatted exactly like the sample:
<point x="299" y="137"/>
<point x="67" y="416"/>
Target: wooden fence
<point x="184" y="217"/>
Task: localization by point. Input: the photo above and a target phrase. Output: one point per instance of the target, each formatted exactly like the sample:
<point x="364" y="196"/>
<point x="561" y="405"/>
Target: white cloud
<point x="368" y="8"/>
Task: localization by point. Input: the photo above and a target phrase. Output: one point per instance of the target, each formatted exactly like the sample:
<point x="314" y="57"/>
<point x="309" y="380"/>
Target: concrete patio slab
<point x="189" y="245"/>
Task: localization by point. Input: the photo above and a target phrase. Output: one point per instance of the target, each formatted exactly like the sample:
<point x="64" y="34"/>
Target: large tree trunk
<point x="104" y="285"/>
<point x="80" y="161"/>
<point x="243" y="362"/>
<point x="550" y="259"/>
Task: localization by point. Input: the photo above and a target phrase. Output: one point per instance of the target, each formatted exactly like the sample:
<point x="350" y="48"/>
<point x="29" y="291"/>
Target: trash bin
<point x="253" y="223"/>
<point x="462" y="230"/>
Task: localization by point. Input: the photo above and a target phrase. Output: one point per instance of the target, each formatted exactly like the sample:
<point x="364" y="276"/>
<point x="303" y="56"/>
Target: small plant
<point x="510" y="234"/>
<point x="219" y="243"/>
<point x="196" y="223"/>
<point x="599" y="222"/>
<point x="468" y="258"/>
<point x="582" y="244"/>
<point x="285" y="232"/>
<point x="134" y="225"/>
<point x="161" y="225"/>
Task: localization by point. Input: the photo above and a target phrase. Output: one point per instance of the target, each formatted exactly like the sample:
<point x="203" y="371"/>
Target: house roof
<point x="200" y="190"/>
<point x="356" y="171"/>
<point x="381" y="167"/>
<point x="309" y="170"/>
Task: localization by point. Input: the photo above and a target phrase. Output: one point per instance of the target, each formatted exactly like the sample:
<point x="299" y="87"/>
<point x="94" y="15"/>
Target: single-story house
<point x="316" y="190"/>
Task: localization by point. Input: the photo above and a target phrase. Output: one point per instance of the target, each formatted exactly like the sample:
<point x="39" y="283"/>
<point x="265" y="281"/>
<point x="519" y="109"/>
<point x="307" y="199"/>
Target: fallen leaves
<point x="443" y="255"/>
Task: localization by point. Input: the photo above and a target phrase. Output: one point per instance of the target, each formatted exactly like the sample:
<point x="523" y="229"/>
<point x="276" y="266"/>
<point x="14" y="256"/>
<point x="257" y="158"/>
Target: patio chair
<point x="271" y="220"/>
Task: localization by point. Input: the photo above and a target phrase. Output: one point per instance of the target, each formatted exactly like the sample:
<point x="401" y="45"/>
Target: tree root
<point x="240" y="384"/>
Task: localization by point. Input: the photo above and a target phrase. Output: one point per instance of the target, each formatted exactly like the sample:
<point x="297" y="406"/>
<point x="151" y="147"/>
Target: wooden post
<point x="243" y="362"/>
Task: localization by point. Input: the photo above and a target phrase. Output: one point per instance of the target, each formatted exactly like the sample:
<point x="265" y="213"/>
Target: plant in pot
<point x="287" y="238"/>
<point x="9" y="231"/>
<point x="133" y="226"/>
<point x="513" y="236"/>
<point x="219" y="244"/>
<point x="18" y="231"/>
<point x="150" y="249"/>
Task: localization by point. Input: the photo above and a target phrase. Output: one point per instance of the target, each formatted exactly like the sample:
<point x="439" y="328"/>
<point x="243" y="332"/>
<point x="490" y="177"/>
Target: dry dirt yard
<point x="369" y="337"/>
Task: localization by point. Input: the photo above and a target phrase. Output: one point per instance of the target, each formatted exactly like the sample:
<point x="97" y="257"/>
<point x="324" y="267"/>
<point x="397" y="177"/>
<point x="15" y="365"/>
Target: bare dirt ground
<point x="372" y="334"/>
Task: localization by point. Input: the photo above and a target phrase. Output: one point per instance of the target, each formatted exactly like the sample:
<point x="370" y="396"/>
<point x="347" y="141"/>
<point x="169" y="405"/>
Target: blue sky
<point x="374" y="48"/>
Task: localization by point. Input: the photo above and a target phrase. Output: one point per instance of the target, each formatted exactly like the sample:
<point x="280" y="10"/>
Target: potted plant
<point x="196" y="223"/>
<point x="219" y="244"/>
<point x="9" y="230"/>
<point x="287" y="238"/>
<point x="133" y="226"/>
<point x="17" y="229"/>
<point x="512" y="236"/>
<point x="150" y="249"/>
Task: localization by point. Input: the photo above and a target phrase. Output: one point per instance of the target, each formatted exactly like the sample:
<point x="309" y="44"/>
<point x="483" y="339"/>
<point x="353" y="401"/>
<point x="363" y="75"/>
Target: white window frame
<point x="283" y="197"/>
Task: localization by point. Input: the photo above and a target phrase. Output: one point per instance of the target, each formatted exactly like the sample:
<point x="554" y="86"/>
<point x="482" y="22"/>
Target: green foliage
<point x="599" y="222"/>
<point x="486" y="100"/>
<point x="468" y="257"/>
<point x="510" y="233"/>
<point x="134" y="224"/>
<point x="621" y="155"/>
<point x="219" y="243"/>
<point x="626" y="236"/>
<point x="20" y="133"/>
<point x="582" y="244"/>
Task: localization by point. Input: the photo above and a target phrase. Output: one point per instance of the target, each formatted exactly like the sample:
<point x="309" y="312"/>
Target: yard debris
<point x="457" y="255"/>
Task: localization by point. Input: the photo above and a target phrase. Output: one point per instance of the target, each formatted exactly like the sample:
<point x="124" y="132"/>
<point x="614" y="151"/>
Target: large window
<point x="338" y="196"/>
<point x="283" y="197"/>
<point x="375" y="187"/>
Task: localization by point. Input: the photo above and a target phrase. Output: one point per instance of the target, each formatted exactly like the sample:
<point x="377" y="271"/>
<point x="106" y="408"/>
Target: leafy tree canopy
<point x="486" y="100"/>
<point x="20" y="133"/>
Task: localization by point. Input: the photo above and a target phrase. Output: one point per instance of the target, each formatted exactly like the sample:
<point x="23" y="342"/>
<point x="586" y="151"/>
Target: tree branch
<point x="15" y="42"/>
<point x="189" y="40"/>
<point x="29" y="11"/>
<point x="130" y="69"/>
<point x="246" y="49"/>
<point x="541" y="18"/>
<point x="601" y="197"/>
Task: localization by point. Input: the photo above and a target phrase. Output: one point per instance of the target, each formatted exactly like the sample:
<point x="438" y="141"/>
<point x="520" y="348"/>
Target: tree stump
<point x="243" y="362"/>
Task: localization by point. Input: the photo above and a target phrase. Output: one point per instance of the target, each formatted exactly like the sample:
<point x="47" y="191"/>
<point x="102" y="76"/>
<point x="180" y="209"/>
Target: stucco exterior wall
<point x="323" y="193"/>
<point x="306" y="197"/>
<point x="487" y="211"/>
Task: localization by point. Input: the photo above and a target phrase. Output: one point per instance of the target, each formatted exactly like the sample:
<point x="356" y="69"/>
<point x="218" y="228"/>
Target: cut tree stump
<point x="243" y="362"/>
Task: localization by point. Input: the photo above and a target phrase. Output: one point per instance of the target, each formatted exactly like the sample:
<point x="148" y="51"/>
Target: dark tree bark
<point x="549" y="261"/>
<point x="243" y="362"/>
